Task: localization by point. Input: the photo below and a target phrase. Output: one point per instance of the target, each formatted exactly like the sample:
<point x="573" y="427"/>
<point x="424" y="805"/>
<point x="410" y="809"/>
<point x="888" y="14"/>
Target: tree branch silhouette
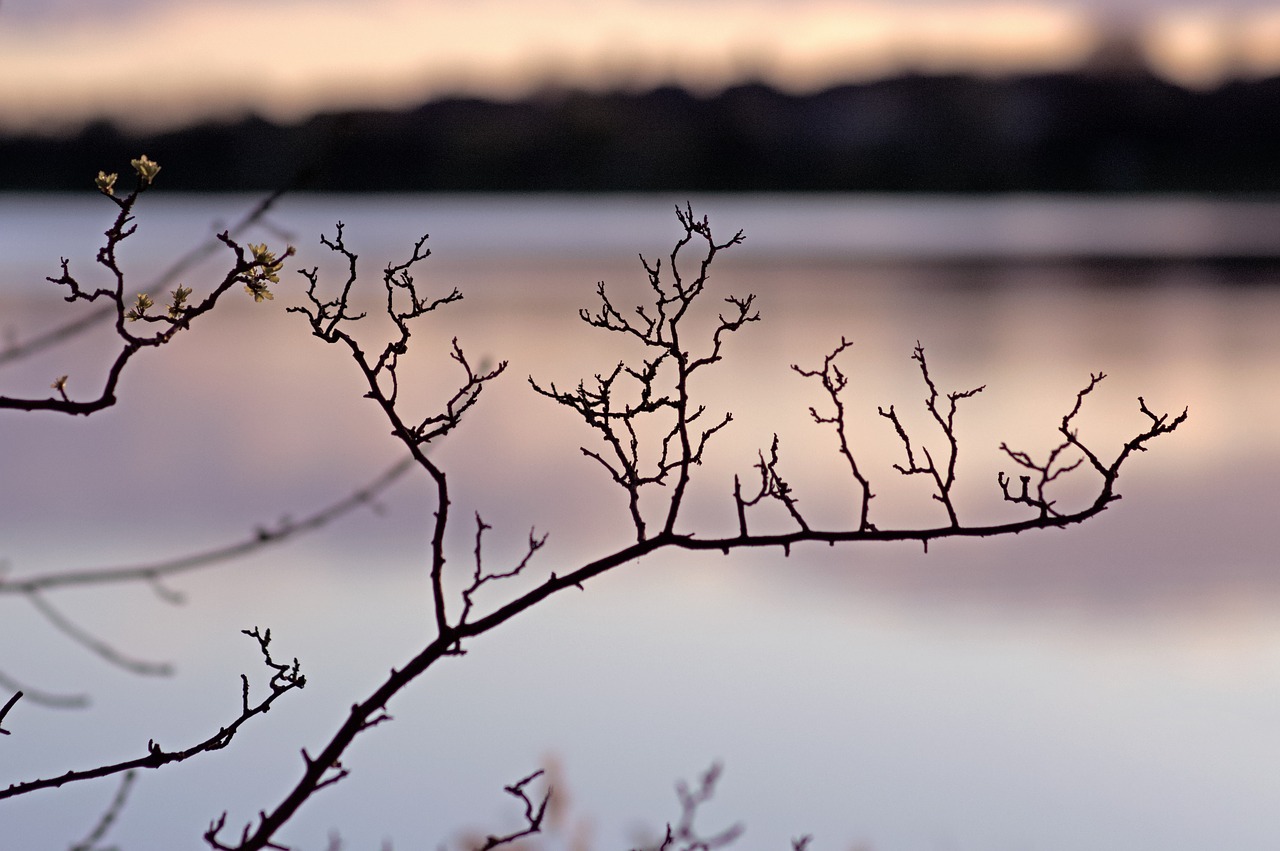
<point x="942" y="479"/>
<point x="153" y="575"/>
<point x="17" y="351"/>
<point x="533" y="814"/>
<point x="255" y="269"/>
<point x="636" y="455"/>
<point x="9" y="704"/>
<point x="653" y="428"/>
<point x="286" y="678"/>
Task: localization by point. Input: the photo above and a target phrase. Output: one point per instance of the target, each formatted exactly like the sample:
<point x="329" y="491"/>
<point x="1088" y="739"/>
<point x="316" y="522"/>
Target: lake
<point x="1114" y="685"/>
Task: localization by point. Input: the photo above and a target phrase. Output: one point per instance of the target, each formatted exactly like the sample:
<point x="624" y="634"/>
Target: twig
<point x="5" y="710"/>
<point x="254" y="269"/>
<point x="533" y="818"/>
<point x="943" y="479"/>
<point x="661" y="383"/>
<point x="834" y="382"/>
<point x="67" y="331"/>
<point x="44" y="698"/>
<point x="261" y="537"/>
<point x="285" y="679"/>
<point x="97" y="646"/>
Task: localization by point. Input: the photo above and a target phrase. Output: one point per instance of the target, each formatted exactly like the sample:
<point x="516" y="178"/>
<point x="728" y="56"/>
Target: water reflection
<point x="1105" y="686"/>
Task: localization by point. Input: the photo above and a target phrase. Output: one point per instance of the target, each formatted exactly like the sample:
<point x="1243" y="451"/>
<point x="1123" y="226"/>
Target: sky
<point x="151" y="64"/>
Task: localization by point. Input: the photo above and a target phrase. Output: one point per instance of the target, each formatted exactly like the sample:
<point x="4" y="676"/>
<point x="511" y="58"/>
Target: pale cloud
<point x="170" y="63"/>
<point x="288" y="59"/>
<point x="1202" y="47"/>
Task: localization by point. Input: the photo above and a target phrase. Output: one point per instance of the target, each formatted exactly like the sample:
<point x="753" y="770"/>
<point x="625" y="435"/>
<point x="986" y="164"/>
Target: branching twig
<point x="481" y="576"/>
<point x="772" y="486"/>
<point x="533" y="817"/>
<point x="943" y="479"/>
<point x="658" y="327"/>
<point x="1047" y="474"/>
<point x="834" y="381"/>
<point x="170" y="276"/>
<point x="255" y="269"/>
<point x="683" y="836"/>
<point x="330" y="320"/>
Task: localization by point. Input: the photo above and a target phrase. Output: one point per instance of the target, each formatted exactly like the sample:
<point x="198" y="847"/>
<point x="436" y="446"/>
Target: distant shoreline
<point x="1061" y="133"/>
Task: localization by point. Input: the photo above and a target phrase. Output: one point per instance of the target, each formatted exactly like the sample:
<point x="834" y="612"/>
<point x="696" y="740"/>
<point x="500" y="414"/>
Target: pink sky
<point x="156" y="64"/>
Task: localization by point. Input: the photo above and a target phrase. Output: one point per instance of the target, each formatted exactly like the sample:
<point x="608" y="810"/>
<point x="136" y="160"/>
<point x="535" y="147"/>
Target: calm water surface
<point x="1113" y="686"/>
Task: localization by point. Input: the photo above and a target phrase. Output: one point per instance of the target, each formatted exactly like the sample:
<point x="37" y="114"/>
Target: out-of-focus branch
<point x="108" y="817"/>
<point x="683" y="836"/>
<point x="533" y="814"/>
<point x="94" y="645"/>
<point x="263" y="536"/>
<point x="154" y="574"/>
<point x="43" y="698"/>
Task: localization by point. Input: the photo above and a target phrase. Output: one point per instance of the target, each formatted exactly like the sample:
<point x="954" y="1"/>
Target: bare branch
<point x="481" y="576"/>
<point x="533" y="817"/>
<point x="834" y="382"/>
<point x="656" y="387"/>
<point x="772" y="486"/>
<point x="1047" y="473"/>
<point x="285" y="679"/>
<point x="255" y="270"/>
<point x="943" y="479"/>
<point x="330" y="321"/>
<point x="169" y="277"/>
<point x="662" y="384"/>
<point x="5" y="710"/>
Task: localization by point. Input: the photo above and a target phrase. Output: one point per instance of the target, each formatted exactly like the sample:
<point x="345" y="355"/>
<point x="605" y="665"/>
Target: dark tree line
<point x="1078" y="132"/>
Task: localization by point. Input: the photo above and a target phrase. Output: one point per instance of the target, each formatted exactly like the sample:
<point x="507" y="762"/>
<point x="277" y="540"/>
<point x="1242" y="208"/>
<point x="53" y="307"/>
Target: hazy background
<point x="156" y="64"/>
<point x="1111" y="687"/>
